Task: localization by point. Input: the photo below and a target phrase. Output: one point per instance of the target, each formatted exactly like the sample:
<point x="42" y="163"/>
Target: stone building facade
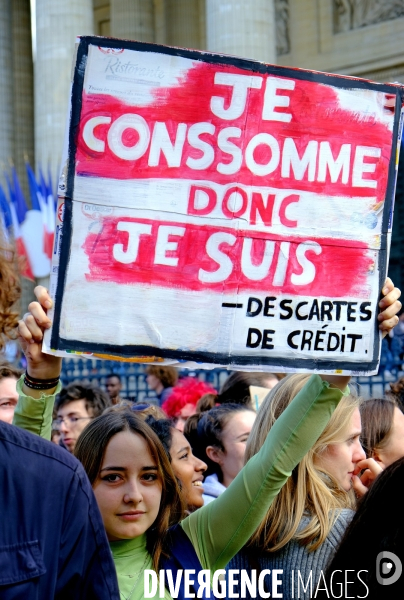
<point x="352" y="37"/>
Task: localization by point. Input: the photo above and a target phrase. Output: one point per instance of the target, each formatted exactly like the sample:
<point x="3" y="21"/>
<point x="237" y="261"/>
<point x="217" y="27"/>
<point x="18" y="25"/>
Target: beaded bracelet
<point x="40" y="384"/>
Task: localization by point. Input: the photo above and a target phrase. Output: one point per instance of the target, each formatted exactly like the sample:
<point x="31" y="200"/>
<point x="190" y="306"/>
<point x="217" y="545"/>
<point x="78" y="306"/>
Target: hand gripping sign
<point x="223" y="211"/>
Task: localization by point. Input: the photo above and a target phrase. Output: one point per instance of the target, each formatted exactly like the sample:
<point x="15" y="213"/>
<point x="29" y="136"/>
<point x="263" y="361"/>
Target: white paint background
<point x="137" y="314"/>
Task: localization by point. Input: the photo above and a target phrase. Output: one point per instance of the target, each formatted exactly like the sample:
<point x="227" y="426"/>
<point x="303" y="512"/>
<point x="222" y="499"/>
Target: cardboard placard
<point x="223" y="211"/>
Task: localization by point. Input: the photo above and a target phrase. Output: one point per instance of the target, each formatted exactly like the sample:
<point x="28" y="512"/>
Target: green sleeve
<point x="221" y="528"/>
<point x="35" y="414"/>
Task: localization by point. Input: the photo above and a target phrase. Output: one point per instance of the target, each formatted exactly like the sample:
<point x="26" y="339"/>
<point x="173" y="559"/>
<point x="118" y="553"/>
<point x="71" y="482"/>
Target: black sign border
<point x="316" y="363"/>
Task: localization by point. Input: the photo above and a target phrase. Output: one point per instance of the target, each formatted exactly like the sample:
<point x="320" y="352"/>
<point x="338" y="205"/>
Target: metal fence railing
<point x="133" y="376"/>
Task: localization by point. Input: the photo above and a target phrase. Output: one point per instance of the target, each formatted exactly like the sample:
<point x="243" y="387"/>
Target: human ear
<point x="378" y="458"/>
<point x="214" y="454"/>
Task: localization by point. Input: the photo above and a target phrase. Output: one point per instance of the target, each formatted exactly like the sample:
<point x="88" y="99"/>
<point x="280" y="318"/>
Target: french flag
<point x="18" y="211"/>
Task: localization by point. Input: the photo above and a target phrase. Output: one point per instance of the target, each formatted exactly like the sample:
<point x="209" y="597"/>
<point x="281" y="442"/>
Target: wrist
<point x="37" y="394"/>
<point x="43" y="371"/>
<point x="40" y="384"/>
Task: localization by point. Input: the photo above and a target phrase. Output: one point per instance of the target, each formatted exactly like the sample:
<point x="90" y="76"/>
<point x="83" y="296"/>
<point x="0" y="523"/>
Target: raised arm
<point x="219" y="530"/>
<point x="35" y="406"/>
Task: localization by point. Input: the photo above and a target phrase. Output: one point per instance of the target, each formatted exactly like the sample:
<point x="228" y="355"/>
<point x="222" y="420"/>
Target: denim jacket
<point x="52" y="540"/>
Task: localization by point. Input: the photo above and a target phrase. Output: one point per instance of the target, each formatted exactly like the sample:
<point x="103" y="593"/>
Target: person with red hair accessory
<point x="182" y="401"/>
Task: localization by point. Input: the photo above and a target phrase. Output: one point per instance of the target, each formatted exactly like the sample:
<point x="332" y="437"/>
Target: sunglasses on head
<point x="140" y="406"/>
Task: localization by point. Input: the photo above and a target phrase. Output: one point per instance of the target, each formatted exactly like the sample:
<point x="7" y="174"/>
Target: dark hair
<point x="8" y="370"/>
<point x="163" y="429"/>
<point x="206" y="429"/>
<point x="236" y="388"/>
<point x="377" y="419"/>
<point x="154" y="417"/>
<point x="90" y="450"/>
<point x="110" y="375"/>
<point x="95" y="399"/>
<point x="377" y="526"/>
<point x="167" y="375"/>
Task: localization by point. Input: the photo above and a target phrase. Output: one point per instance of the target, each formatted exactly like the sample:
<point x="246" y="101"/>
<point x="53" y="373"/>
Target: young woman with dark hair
<point x="187" y="467"/>
<point x="382" y="430"/>
<point x="219" y="436"/>
<point x="123" y="438"/>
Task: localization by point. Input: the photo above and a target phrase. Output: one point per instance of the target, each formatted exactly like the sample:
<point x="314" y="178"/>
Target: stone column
<point x="242" y="27"/>
<point x="57" y="25"/>
<point x="133" y="20"/>
<point x="202" y="23"/>
<point x="6" y="88"/>
<point x="183" y="27"/>
<point x="160" y="33"/>
<point x="23" y="90"/>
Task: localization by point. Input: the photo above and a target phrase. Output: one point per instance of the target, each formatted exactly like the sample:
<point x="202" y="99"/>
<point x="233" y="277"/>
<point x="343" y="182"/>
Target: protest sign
<point x="223" y="211"/>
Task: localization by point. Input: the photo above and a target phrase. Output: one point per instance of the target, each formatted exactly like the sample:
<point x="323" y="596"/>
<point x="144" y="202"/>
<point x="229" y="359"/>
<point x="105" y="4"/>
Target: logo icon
<point x="111" y="50"/>
<point x="61" y="211"/>
<point x="388" y="568"/>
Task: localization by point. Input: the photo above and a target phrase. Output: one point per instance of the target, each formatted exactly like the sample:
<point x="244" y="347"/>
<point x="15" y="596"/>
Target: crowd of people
<point x="197" y="478"/>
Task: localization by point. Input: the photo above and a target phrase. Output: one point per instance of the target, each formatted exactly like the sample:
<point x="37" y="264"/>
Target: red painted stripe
<point x="340" y="270"/>
<point x="316" y="115"/>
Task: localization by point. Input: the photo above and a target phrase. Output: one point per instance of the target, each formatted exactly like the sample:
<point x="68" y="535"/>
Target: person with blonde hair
<point x="305" y="523"/>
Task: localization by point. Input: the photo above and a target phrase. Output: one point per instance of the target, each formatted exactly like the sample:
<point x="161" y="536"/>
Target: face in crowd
<point x="113" y="386"/>
<point x="131" y="474"/>
<point x="340" y="460"/>
<point x="234" y="438"/>
<point x="186" y="411"/>
<point x="8" y="398"/>
<point x="188" y="468"/>
<point x="128" y="488"/>
<point x="154" y="383"/>
<point x="394" y="448"/>
<point x="72" y="419"/>
<point x="383" y="429"/>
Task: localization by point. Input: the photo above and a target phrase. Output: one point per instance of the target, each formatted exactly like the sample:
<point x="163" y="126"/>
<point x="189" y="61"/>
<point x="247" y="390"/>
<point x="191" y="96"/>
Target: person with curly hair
<point x="183" y="399"/>
<point x="9" y="294"/>
<point x="161" y="381"/>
